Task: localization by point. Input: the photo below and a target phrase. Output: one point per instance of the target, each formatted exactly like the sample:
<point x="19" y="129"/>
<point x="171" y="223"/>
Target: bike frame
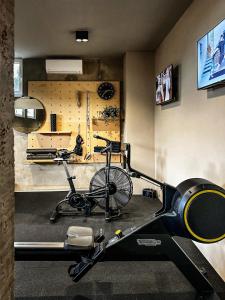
<point x="99" y="192"/>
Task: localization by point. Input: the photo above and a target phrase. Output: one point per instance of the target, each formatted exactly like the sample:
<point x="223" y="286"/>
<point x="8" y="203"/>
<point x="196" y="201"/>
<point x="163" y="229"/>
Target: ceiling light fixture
<point x="81" y="36"/>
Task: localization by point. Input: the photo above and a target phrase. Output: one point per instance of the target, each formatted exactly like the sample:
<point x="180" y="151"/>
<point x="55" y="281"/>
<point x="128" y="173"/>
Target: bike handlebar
<point x="101" y="138"/>
<point x="107" y="148"/>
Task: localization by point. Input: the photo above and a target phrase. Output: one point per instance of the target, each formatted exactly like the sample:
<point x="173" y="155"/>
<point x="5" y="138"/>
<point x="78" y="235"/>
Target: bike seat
<point x="80" y="237"/>
<point x="58" y="159"/>
<point x="64" y="154"/>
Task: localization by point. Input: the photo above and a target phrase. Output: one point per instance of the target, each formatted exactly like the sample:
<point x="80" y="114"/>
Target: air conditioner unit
<point x="64" y="66"/>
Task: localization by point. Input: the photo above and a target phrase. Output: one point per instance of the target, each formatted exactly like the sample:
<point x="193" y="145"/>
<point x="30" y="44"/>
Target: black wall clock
<point x="106" y="90"/>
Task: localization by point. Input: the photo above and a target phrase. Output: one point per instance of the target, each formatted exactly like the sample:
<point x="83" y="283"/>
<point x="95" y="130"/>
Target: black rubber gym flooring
<point x="108" y="280"/>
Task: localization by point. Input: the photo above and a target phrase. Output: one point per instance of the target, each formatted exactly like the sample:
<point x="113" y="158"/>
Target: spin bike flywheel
<point x="120" y="186"/>
<point x="77" y="201"/>
<point x="81" y="203"/>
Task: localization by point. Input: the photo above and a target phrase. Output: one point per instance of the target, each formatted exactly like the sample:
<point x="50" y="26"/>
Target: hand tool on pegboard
<point x="78" y="150"/>
<point x="88" y="127"/>
<point x="78" y="98"/>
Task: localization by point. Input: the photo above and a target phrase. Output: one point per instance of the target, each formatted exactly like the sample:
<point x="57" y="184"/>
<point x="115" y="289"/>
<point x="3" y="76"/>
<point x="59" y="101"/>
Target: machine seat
<point x="80" y="237"/>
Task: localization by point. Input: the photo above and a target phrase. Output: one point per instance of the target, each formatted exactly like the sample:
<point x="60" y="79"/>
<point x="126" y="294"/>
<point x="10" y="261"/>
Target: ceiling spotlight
<point x="81" y="36"/>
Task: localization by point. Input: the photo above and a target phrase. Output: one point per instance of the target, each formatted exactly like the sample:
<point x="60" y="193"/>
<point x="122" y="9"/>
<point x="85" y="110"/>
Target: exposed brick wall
<point x="6" y="150"/>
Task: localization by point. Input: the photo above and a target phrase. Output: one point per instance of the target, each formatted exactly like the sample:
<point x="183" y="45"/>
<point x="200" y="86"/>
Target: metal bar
<point x="69" y="177"/>
<point x="107" y="168"/>
<point x="139" y="174"/>
<point x="187" y="266"/>
<point x="49" y="251"/>
<point x="66" y="168"/>
<point x="96" y="192"/>
<point x="168" y="193"/>
<point x="148" y="247"/>
<point x="39" y="245"/>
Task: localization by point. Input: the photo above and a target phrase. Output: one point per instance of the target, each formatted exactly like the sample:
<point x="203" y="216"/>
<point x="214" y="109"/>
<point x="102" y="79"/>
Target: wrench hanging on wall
<point x="78" y="98"/>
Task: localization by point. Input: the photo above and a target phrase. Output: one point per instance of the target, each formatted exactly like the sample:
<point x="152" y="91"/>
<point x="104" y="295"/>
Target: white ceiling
<point x="44" y="27"/>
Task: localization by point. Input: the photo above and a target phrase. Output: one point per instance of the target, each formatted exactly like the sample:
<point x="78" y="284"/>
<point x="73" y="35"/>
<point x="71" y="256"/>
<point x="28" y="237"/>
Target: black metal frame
<point x="167" y="189"/>
<point x="99" y="193"/>
<point x="153" y="242"/>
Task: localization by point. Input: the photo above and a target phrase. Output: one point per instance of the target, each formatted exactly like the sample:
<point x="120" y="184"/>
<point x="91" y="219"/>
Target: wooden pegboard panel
<point x="60" y="97"/>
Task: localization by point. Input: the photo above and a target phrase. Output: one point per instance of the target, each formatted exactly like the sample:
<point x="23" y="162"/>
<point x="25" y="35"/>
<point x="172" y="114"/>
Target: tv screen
<point x="211" y="62"/>
<point x="164" y="86"/>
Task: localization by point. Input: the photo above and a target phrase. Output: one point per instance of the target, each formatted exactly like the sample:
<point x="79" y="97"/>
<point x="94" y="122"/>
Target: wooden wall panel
<point x="60" y="97"/>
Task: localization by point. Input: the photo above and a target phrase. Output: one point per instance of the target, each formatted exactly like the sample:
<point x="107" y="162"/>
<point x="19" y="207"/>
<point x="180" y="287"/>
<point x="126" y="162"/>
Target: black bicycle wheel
<point x="122" y="187"/>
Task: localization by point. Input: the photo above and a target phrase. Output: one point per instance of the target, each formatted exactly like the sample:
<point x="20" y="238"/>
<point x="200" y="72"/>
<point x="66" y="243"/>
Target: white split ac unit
<point x="64" y="66"/>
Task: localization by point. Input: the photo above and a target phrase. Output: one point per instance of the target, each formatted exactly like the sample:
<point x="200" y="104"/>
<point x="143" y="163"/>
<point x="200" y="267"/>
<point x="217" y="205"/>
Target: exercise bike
<point x="110" y="188"/>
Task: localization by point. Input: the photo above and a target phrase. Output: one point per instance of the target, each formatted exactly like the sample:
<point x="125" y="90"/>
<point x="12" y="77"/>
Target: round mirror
<point x="29" y="114"/>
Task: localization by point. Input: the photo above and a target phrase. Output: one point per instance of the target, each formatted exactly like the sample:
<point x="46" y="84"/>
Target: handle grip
<point x="106" y="149"/>
<point x="100" y="138"/>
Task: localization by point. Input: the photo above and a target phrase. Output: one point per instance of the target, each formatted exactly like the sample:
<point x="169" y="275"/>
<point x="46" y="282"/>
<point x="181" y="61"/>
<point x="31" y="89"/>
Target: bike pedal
<point x="99" y="237"/>
<point x="115" y="213"/>
<point x="53" y="217"/>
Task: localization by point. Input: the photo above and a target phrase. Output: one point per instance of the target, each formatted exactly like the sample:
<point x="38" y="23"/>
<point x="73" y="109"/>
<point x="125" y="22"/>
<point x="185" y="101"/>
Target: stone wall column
<point x="6" y="150"/>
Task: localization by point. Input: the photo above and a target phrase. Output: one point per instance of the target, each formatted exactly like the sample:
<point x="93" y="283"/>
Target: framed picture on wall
<point x="164" y="86"/>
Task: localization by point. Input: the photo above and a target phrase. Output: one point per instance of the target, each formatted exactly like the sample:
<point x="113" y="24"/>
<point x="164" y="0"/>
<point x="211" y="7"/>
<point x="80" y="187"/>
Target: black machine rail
<point x="152" y="242"/>
<point x="46" y="251"/>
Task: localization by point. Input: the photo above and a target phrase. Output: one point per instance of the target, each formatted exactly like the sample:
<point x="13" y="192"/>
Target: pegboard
<point x="60" y="98"/>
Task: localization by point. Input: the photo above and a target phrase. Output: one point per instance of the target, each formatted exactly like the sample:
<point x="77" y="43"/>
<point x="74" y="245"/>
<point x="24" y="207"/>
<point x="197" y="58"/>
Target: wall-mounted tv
<point x="165" y="86"/>
<point x="211" y="62"/>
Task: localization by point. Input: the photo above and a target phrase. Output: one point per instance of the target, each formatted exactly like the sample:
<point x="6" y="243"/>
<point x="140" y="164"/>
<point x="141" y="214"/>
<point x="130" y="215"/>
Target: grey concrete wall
<point x="43" y="177"/>
<point x="94" y="69"/>
<point x="6" y="150"/>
